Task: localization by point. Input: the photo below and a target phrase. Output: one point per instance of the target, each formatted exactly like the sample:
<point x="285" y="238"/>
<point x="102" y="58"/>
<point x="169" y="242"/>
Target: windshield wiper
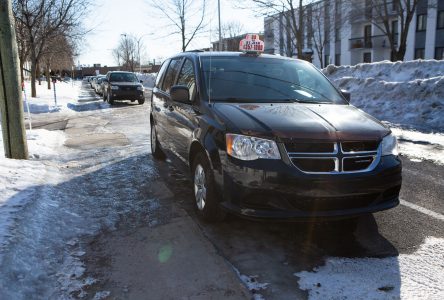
<point x="248" y="100"/>
<point x="308" y="101"/>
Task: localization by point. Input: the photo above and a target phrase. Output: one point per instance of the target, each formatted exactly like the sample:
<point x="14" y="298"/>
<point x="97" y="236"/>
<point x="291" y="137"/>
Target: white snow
<point x="148" y="79"/>
<point x="66" y="92"/>
<point x="419" y="146"/>
<point x="252" y="283"/>
<point x="405" y="93"/>
<point x="408" y="96"/>
<point x="409" y="276"/>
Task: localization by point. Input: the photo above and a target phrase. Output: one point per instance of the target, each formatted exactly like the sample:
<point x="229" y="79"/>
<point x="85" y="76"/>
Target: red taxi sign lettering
<point x="251" y="43"/>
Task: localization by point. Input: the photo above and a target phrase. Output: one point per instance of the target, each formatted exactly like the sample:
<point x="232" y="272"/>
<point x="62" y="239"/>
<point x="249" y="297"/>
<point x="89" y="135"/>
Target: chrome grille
<point x="334" y="157"/>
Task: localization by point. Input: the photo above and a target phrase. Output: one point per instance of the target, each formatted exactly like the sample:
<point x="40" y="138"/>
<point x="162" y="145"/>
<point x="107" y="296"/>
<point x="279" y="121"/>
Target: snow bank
<point x="18" y="177"/>
<point x="44" y="102"/>
<point x="407" y="93"/>
<point x="148" y="79"/>
<point x="410" y="276"/>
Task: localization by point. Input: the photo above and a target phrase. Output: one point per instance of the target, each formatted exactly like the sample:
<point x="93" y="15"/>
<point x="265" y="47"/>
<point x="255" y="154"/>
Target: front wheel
<point x="155" y="146"/>
<point x="110" y="99"/>
<point x="141" y="101"/>
<point x="206" y="201"/>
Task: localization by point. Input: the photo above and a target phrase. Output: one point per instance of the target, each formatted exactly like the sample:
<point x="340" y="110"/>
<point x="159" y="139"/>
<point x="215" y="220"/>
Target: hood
<point x="301" y="121"/>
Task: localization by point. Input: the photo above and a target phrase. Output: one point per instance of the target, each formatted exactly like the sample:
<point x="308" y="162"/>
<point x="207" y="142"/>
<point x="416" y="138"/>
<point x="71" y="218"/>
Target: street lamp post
<point x="220" y="29"/>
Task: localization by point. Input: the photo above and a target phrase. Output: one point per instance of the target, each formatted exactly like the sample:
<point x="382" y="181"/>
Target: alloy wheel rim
<point x="200" y="189"/>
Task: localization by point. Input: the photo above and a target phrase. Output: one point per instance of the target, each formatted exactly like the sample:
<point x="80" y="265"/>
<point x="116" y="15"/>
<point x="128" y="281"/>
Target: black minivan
<point x="270" y="137"/>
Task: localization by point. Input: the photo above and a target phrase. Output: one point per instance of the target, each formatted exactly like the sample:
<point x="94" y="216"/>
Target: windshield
<point x="259" y="79"/>
<point x="123" y="77"/>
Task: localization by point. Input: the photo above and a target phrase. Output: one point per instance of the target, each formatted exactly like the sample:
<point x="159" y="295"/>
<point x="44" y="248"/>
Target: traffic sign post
<point x="54" y="80"/>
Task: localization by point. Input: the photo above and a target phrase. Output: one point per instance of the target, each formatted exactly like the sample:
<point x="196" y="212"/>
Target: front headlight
<point x="114" y="87"/>
<point x="389" y="145"/>
<point x="250" y="148"/>
<point x="140" y="88"/>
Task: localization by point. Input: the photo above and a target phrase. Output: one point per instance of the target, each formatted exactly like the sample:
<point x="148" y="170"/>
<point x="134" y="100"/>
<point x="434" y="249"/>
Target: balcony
<point x="372" y="42"/>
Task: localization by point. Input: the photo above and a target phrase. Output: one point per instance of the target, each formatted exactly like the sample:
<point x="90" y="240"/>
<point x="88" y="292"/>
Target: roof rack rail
<point x="197" y="50"/>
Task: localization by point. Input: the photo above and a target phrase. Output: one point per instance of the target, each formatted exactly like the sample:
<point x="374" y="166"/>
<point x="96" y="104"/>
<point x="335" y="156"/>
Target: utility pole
<point x="220" y="29"/>
<point x="11" y="105"/>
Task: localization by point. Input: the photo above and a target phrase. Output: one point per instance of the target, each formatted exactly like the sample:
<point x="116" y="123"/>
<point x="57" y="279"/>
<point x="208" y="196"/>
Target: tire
<point x="205" y="199"/>
<point x="141" y="101"/>
<point x="110" y="99"/>
<point x="104" y="97"/>
<point x="156" y="151"/>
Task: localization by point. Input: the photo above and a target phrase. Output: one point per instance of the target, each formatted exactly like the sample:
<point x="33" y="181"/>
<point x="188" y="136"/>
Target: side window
<point x="171" y="73"/>
<point x="161" y="72"/>
<point x="187" y="78"/>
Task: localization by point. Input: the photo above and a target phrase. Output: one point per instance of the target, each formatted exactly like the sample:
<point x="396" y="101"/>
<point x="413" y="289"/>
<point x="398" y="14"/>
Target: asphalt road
<point x="273" y="251"/>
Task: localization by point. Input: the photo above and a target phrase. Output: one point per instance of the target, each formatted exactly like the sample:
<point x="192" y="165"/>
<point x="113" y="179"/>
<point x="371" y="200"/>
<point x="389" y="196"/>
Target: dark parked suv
<point x="270" y="137"/>
<point x="122" y="86"/>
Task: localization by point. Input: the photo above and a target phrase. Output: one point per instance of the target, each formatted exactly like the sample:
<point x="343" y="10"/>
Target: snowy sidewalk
<point x="93" y="179"/>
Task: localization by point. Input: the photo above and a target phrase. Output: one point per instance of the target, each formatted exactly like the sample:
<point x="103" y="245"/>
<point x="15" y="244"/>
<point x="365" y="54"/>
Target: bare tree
<point x="186" y="17"/>
<point x="381" y="14"/>
<point x="43" y="20"/>
<point x="126" y="53"/>
<point x="231" y="29"/>
<point x="290" y="16"/>
<point x="321" y="27"/>
<point x="57" y="55"/>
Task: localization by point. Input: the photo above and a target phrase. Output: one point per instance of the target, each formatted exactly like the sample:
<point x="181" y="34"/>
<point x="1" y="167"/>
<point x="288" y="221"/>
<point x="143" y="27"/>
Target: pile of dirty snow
<point x="406" y="93"/>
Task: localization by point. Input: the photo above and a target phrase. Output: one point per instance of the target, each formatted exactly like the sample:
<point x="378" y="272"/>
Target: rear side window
<point x="161" y="72"/>
<point x="171" y="73"/>
<point x="187" y="78"/>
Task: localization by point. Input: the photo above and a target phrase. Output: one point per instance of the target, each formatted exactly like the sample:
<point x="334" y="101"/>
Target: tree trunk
<point x="48" y="78"/>
<point x="38" y="73"/>
<point x="22" y="72"/>
<point x="33" y="75"/>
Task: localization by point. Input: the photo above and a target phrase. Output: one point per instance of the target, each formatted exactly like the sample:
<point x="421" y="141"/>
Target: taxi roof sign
<point x="251" y="43"/>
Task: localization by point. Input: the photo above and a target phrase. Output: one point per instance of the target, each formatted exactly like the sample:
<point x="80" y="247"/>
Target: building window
<point x="337" y="35"/>
<point x="326" y="60"/>
<point x="337" y="59"/>
<point x="421" y="22"/>
<point x="367" y="57"/>
<point x="419" y="53"/>
<point x="368" y="36"/>
<point x="439" y="53"/>
<point x="395" y="32"/>
<point x="395" y="5"/>
<point x="440" y="23"/>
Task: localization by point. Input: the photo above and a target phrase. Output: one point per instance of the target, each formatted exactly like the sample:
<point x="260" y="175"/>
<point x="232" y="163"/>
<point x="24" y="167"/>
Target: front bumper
<point x="127" y="95"/>
<point x="275" y="189"/>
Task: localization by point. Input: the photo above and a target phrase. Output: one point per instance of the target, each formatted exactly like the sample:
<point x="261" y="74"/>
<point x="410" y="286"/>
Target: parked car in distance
<point x="270" y="137"/>
<point x="98" y="88"/>
<point x="119" y="85"/>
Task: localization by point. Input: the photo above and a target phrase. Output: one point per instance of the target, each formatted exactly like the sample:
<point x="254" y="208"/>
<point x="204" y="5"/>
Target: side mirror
<point x="180" y="93"/>
<point x="141" y="81"/>
<point x="346" y="95"/>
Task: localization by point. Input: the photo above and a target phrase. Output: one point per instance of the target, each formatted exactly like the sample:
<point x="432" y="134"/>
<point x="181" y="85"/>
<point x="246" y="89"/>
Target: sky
<point x="109" y="19"/>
